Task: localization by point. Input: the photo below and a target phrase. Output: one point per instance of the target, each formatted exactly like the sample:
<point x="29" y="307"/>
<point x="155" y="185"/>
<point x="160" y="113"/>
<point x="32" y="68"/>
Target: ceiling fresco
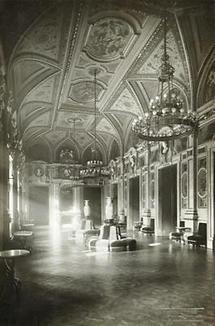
<point x="51" y="71"/>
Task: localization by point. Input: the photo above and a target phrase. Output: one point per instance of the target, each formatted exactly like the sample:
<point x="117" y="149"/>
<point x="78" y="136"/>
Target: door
<point x="134" y="201"/>
<point x="167" y="183"/>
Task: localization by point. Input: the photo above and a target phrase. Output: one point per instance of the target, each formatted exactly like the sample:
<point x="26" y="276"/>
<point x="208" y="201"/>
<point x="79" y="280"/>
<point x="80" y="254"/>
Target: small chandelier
<point x="166" y="118"/>
<point x="94" y="167"/>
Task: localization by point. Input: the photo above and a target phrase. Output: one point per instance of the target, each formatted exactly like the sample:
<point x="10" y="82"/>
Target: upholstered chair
<point x="199" y="238"/>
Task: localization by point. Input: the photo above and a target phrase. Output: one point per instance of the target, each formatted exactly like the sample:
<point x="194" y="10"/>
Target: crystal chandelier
<point x="94" y="167"/>
<point x="166" y="118"/>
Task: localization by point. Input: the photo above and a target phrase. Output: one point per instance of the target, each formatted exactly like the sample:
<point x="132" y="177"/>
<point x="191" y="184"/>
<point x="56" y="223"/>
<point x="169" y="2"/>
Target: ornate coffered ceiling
<point x="52" y="64"/>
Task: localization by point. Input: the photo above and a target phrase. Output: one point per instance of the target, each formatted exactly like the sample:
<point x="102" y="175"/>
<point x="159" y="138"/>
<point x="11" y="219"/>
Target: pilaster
<point x="146" y="215"/>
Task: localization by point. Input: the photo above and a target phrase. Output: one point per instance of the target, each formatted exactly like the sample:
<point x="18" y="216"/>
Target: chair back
<point x="152" y="224"/>
<point x="104" y="232"/>
<point x="113" y="233"/>
<point x="89" y="225"/>
<point x="182" y="224"/>
<point x="202" y="230"/>
<point x="86" y="224"/>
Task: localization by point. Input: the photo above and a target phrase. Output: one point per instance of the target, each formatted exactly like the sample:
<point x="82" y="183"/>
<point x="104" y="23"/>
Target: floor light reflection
<point x="154" y="244"/>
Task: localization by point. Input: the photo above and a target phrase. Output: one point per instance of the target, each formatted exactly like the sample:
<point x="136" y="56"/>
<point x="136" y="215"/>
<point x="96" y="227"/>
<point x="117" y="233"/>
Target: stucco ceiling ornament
<point x="108" y="39"/>
<point x="83" y="91"/>
<point x="166" y="117"/>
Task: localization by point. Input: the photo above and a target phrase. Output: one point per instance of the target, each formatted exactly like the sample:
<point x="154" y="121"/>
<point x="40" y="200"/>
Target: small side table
<point x="8" y="280"/>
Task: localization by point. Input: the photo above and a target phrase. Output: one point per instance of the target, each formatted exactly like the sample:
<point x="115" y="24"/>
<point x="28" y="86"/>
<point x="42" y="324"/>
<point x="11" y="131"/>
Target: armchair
<point x="199" y="238"/>
<point x="149" y="229"/>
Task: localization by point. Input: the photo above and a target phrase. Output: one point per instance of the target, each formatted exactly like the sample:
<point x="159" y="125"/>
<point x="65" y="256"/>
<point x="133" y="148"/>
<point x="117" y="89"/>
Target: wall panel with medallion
<point x="184" y="185"/>
<point x="202" y="183"/>
<point x="144" y="190"/>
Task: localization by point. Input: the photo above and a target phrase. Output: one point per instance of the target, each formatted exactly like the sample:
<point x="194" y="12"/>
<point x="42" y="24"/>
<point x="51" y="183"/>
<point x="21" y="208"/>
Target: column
<point x="11" y="199"/>
<point x="25" y="218"/>
<point x="104" y="194"/>
<point x="195" y="172"/>
<point x="54" y="215"/>
<point x="4" y="217"/>
<point x="4" y="195"/>
<point x="147" y="210"/>
<point x="77" y="204"/>
<point x="2" y="203"/>
<point x="121" y="192"/>
<point x="18" y="200"/>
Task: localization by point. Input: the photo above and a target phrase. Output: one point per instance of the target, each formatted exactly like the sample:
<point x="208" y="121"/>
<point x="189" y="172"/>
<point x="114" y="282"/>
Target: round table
<point x="8" y="275"/>
<point x="14" y="253"/>
<point x="11" y="255"/>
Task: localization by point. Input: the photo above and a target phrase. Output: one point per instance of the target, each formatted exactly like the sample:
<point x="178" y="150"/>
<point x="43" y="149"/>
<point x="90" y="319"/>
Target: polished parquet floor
<point x="161" y="283"/>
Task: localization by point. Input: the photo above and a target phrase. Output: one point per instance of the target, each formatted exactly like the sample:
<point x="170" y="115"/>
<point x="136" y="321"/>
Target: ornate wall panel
<point x="202" y="183"/>
<point x="184" y="185"/>
<point x="210" y="84"/>
<point x="144" y="190"/>
<point x="152" y="175"/>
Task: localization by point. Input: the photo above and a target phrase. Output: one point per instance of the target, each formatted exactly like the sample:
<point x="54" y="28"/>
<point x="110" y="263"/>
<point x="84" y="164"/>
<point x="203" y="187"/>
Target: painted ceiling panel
<point x="42" y="120"/>
<point x="108" y="39"/>
<point x="43" y="92"/>
<point x="150" y="87"/>
<point x="105" y="126"/>
<point x="83" y="139"/>
<point x="152" y="64"/>
<point x="108" y="139"/>
<point x="43" y="37"/>
<point x="126" y="103"/>
<point x="28" y="109"/>
<point x="24" y="71"/>
<point x="54" y="137"/>
<point x="66" y="120"/>
<point x="51" y="68"/>
<point x="33" y="133"/>
<point x="123" y="119"/>
<point x="84" y="91"/>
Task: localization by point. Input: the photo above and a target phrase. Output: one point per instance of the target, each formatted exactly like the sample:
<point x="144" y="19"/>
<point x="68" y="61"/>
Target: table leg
<point x="10" y="285"/>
